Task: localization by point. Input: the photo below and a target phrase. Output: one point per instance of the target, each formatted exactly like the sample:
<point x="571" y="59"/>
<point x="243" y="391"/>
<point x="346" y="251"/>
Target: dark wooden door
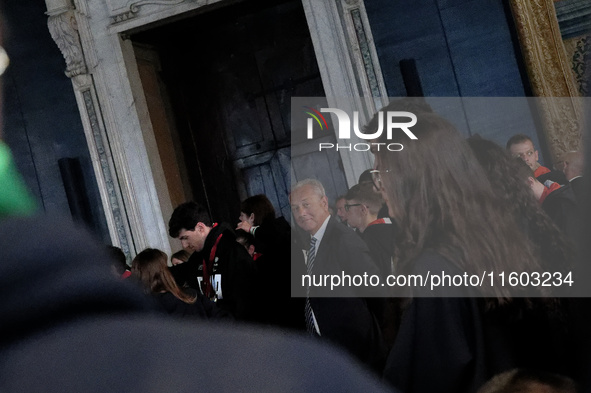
<point x="231" y="74"/>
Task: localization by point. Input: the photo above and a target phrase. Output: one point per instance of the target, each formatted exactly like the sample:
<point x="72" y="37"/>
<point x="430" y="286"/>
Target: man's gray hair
<point x="315" y="184"/>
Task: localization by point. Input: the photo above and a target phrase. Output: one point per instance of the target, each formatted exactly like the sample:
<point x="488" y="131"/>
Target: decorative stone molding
<point x="63" y="27"/>
<point x="550" y="73"/>
<point x="364" y="53"/>
<point x="122" y="17"/>
<point x="349" y="67"/>
<point x="132" y="10"/>
<point x="106" y="172"/>
<point x="64" y="31"/>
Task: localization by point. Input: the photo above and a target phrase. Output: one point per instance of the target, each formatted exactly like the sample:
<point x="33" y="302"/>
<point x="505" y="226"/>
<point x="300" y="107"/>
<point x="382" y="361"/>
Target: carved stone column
<point x="63" y="26"/>
<point x="349" y="67"/>
<point x="549" y="73"/>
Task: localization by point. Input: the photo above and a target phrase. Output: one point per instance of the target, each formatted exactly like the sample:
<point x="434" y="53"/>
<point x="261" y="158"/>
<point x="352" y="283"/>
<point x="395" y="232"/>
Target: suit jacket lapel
<point x="326" y="241"/>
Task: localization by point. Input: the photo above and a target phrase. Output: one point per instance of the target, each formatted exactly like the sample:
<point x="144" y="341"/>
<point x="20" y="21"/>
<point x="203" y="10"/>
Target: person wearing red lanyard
<point x="223" y="267"/>
<point x="521" y="146"/>
<point x="362" y="205"/>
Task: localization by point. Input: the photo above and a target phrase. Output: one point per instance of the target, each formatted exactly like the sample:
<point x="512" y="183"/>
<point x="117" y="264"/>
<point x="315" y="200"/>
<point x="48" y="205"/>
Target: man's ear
<point x="251" y="217"/>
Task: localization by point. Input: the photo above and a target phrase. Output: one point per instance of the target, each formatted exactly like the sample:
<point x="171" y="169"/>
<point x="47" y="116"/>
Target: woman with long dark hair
<point x="554" y="250"/>
<point x="450" y="220"/>
<point x="150" y="268"/>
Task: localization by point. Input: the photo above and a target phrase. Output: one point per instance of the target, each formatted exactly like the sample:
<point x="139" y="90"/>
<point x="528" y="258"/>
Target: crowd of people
<point x="445" y="204"/>
<point x="241" y="307"/>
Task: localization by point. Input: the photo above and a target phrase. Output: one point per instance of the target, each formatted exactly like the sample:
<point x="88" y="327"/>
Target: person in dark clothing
<point x="150" y="269"/>
<point x="348" y="320"/>
<point x="558" y="202"/>
<point x="572" y="164"/>
<point x="119" y="262"/>
<point x="449" y="220"/>
<point x="363" y="205"/>
<point x="246" y="239"/>
<point x="561" y="205"/>
<point x="179" y="257"/>
<point x="68" y="325"/>
<point x="223" y="268"/>
<point x="272" y="240"/>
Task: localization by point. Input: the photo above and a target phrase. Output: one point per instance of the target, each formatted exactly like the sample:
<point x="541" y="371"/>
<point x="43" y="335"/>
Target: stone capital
<point x="63" y="28"/>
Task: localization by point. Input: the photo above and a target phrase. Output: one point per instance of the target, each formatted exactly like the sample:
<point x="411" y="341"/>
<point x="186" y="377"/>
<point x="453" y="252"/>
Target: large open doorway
<point x="218" y="88"/>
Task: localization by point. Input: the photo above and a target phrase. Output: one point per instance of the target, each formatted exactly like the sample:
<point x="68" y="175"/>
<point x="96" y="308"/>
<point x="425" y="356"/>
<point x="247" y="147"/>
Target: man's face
<point x="355" y="214"/>
<point x="309" y="209"/>
<point x="194" y="239"/>
<point x="341" y="210"/>
<point x="525" y="151"/>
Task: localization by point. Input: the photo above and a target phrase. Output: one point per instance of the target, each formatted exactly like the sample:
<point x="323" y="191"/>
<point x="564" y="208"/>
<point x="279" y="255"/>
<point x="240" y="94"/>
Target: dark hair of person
<point x="186" y="216"/>
<point x="528" y="381"/>
<point x="508" y="177"/>
<point x="365" y="177"/>
<point x="261" y="206"/>
<point x="181" y="255"/>
<point x="118" y="258"/>
<point x="442" y="200"/>
<point x="519" y="138"/>
<point x="150" y="267"/>
<point x="365" y="193"/>
<point x="244" y="238"/>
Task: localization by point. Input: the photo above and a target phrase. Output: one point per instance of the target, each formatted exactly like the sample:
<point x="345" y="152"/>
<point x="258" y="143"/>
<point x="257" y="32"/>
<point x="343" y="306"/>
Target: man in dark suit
<point x="572" y="164"/>
<point x="347" y="320"/>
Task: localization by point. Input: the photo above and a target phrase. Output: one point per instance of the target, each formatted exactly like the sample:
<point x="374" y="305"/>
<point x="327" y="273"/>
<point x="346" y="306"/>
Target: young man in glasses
<point x="363" y="205"/>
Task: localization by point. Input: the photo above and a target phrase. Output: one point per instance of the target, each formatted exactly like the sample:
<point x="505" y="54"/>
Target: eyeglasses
<point x="4" y="61"/>
<point x="347" y="206"/>
<point x="376" y="178"/>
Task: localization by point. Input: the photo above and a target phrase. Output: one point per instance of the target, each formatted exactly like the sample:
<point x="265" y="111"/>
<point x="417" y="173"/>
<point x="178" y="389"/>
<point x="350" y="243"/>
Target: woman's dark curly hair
<point x="553" y="249"/>
<point x="442" y="200"/>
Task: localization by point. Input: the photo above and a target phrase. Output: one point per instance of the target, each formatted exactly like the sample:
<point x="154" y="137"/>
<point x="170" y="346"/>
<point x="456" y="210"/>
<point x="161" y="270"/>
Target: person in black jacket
<point x="223" y="268"/>
<point x="572" y="164"/>
<point x="363" y="205"/>
<point x="272" y="240"/>
<point x="559" y="202"/>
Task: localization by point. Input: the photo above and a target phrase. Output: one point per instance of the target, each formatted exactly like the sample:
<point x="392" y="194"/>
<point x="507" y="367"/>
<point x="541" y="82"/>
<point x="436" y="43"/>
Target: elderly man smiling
<point x="335" y="249"/>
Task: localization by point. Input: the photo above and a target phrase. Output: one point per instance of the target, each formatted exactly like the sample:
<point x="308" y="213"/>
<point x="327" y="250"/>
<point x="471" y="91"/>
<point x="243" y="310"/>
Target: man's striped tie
<point x="310" y="264"/>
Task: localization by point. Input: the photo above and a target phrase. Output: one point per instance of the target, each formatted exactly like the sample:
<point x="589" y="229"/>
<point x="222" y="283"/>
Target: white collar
<point x="320" y="233"/>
